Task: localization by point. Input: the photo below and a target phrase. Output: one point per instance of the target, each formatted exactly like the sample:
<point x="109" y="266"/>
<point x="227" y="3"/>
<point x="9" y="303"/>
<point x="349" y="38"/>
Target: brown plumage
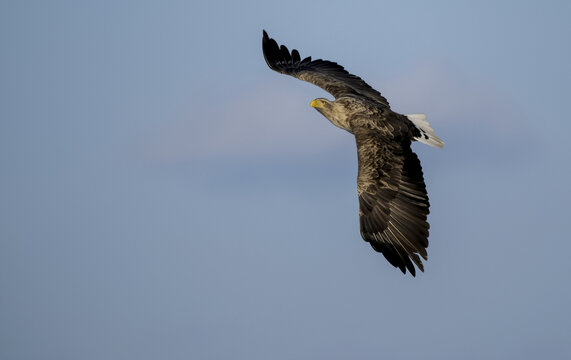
<point x="393" y="203"/>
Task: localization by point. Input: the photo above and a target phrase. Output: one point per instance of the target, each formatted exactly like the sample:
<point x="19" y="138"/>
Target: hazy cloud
<point x="275" y="118"/>
<point x="271" y="119"/>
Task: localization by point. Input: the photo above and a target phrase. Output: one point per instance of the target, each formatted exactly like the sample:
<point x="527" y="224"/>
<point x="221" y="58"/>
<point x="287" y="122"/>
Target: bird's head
<point x="322" y="105"/>
<point x="334" y="111"/>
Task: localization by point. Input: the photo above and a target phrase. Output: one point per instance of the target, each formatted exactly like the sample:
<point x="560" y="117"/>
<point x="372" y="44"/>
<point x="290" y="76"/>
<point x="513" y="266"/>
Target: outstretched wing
<point x="328" y="75"/>
<point x="393" y="204"/>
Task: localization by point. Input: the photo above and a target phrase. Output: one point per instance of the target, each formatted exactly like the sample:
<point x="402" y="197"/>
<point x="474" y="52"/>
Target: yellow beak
<point x="316" y="104"/>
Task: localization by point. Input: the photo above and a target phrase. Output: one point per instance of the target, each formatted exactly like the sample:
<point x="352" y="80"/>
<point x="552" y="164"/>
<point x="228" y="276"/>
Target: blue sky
<point x="165" y="195"/>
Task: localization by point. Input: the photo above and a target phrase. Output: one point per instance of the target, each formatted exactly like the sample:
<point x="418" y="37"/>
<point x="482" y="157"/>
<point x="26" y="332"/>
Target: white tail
<point x="427" y="135"/>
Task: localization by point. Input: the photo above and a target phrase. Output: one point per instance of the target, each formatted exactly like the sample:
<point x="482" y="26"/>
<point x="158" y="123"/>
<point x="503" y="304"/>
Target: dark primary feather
<point x="328" y="75"/>
<point x="393" y="203"/>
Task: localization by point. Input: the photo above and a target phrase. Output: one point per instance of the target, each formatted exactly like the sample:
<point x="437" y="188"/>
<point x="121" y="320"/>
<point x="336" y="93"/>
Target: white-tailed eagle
<point x="393" y="204"/>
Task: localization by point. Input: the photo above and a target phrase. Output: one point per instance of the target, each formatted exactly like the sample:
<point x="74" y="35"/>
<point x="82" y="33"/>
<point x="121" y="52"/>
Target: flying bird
<point x="393" y="203"/>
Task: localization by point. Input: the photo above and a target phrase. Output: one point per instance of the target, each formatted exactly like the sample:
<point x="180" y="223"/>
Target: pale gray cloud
<point x="274" y="118"/>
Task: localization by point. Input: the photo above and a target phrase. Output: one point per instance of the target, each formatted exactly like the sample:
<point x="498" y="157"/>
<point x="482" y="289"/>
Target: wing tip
<point x="396" y="258"/>
<point x="278" y="57"/>
<point x="270" y="50"/>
